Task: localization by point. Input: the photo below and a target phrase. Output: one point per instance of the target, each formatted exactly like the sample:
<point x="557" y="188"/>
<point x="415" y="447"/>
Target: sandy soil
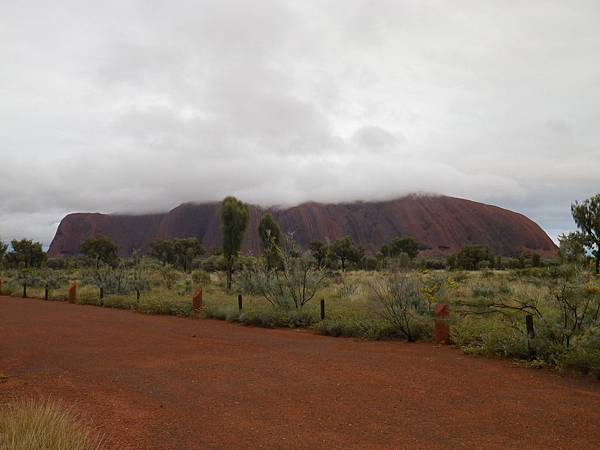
<point x="155" y="382"/>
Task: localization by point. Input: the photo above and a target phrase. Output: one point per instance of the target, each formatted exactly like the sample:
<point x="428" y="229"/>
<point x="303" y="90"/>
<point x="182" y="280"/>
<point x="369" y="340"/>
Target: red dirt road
<point x="154" y="382"/>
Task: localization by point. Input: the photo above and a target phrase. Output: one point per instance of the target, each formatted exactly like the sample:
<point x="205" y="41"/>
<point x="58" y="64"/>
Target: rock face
<point x="443" y="225"/>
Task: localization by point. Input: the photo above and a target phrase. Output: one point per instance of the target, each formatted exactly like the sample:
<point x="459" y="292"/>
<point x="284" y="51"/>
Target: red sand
<point x="167" y="383"/>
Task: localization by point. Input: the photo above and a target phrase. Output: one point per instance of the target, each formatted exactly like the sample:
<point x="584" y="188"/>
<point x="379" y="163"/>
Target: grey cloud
<point x="135" y="106"/>
<point x="376" y="139"/>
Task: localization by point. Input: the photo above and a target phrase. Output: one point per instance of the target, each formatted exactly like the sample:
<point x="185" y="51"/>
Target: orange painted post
<point x="197" y="300"/>
<point x="73" y="293"/>
<point x="442" y="328"/>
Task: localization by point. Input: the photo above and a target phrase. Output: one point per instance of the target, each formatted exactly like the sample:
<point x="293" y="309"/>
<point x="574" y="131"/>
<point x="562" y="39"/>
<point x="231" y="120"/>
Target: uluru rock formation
<point x="443" y="225"/>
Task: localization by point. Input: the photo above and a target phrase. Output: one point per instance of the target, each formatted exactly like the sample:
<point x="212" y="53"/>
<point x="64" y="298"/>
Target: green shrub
<point x="584" y="354"/>
<point x="489" y="336"/>
<point x="372" y="328"/>
<point x="200" y="278"/>
<point x="120" y="302"/>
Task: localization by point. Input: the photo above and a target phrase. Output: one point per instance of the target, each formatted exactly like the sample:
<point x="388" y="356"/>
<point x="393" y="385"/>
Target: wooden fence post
<point x="240" y="305"/>
<point x="197" y="300"/>
<point x="322" y="309"/>
<point x="73" y="294"/>
<point x="530" y="335"/>
<point x="442" y="328"/>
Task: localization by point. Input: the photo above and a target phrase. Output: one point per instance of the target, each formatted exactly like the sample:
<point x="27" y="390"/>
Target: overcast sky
<point x="137" y="106"/>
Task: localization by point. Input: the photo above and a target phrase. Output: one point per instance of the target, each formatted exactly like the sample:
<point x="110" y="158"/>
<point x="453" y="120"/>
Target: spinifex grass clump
<point x="49" y="425"/>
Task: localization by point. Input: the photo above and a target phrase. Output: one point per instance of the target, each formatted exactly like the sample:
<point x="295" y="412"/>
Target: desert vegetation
<point x="543" y="312"/>
<point x="44" y="424"/>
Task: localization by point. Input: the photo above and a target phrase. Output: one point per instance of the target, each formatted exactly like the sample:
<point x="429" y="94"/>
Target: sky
<point x="137" y="106"/>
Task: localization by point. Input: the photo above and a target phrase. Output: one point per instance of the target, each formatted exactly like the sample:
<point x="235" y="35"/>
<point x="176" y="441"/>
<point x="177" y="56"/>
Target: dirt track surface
<point x="155" y="382"/>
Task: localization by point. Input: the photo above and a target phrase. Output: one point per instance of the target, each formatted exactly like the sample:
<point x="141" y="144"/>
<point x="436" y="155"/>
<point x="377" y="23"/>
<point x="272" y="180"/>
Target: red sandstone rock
<point x="443" y="225"/>
<point x="442" y="328"/>
<point x="73" y="293"/>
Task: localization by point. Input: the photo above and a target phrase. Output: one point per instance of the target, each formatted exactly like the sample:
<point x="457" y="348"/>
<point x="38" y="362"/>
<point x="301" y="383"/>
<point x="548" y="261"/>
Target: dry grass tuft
<point x="43" y="425"/>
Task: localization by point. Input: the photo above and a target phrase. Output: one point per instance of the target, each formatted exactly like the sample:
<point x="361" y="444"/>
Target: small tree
<point x="185" y="252"/>
<point x="587" y="218"/>
<point x="138" y="279"/>
<point x="293" y="285"/>
<point x="343" y="251"/>
<point x="163" y="250"/>
<point x="234" y="221"/>
<point x="406" y="245"/>
<point x="51" y="280"/>
<point x="26" y="253"/>
<point x="402" y="301"/>
<point x="179" y="253"/>
<point x="472" y="256"/>
<point x="27" y="277"/>
<point x="100" y="249"/>
<point x="319" y="252"/>
<point x="3" y="249"/>
<point x="572" y="248"/>
<point x="270" y="238"/>
<point x="108" y="280"/>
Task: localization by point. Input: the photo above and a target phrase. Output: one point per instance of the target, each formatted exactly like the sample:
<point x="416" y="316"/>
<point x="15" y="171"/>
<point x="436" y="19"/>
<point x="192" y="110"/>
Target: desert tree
<point x="345" y="252"/>
<point x="26" y="254"/>
<point x="471" y="257"/>
<point x="587" y="218"/>
<point x="163" y="250"/>
<point x="407" y="245"/>
<point x="138" y="278"/>
<point x="27" y="277"/>
<point x="100" y="249"/>
<point x="50" y="280"/>
<point x="571" y="247"/>
<point x="3" y="249"/>
<point x="270" y="238"/>
<point x="186" y="250"/>
<point x="293" y="284"/>
<point x="179" y="253"/>
<point x="401" y="301"/>
<point x="319" y="252"/>
<point x="108" y="279"/>
<point x="234" y="221"/>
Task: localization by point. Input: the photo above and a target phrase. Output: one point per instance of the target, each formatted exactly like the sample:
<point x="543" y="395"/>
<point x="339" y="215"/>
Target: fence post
<point x="46" y="292"/>
<point x="240" y="305"/>
<point x="530" y="335"/>
<point x="442" y="328"/>
<point x="197" y="300"/>
<point x="73" y="294"/>
<point x="322" y="309"/>
<point x="24" y="290"/>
